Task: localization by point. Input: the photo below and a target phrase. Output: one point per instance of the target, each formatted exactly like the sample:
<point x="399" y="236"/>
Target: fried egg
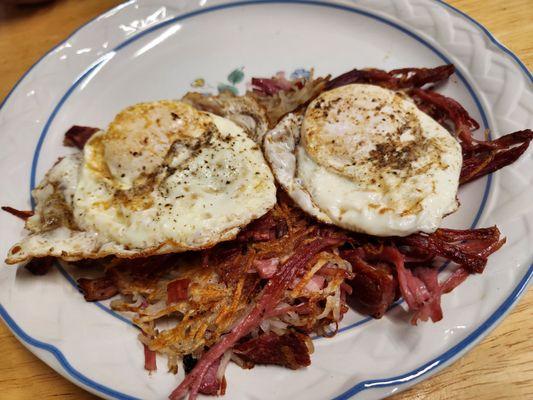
<point x="367" y="159"/>
<point x="164" y="177"/>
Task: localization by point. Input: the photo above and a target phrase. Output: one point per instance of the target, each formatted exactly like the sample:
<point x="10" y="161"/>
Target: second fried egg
<point x="367" y="159"/>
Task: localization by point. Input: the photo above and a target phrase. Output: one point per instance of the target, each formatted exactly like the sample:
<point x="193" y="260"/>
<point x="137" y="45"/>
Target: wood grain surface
<point x="501" y="367"/>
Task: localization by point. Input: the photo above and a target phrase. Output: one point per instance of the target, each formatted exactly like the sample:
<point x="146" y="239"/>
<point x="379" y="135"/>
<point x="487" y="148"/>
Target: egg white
<point x="368" y="160"/>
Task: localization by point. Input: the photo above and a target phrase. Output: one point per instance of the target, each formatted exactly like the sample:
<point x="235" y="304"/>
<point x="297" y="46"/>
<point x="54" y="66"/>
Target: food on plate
<point x="367" y="166"/>
<point x="163" y="178"/>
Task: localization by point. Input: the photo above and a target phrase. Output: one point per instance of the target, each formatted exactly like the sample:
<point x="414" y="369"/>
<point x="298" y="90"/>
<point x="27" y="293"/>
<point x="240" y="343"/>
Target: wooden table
<point x="500" y="367"/>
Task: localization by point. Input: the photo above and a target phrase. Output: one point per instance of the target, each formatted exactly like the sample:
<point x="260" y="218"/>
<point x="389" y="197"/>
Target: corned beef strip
<point x="77" y="136"/>
<point x="270" y="86"/>
<point x="444" y="109"/>
<point x="469" y="248"/>
<point x="374" y="285"/>
<point x="289" y="350"/>
<point x="210" y="385"/>
<point x="22" y="214"/>
<point x="454" y="280"/>
<point x="431" y="307"/>
<point x="484" y="157"/>
<point x="149" y="359"/>
<point x="177" y="290"/>
<point x="40" y="266"/>
<point x="264" y="229"/>
<point x="396" y="79"/>
<point x="418" y="77"/>
<point x="97" y="289"/>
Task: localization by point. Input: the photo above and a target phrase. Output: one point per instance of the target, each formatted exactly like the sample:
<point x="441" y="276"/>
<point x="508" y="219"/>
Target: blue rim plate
<point x="131" y="34"/>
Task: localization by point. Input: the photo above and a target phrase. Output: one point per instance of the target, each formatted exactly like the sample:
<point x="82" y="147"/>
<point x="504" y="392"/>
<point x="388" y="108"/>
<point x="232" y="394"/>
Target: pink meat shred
<point x="149" y="359"/>
<point x="266" y="268"/>
<point x="177" y="290"/>
<point x="210" y="385"/>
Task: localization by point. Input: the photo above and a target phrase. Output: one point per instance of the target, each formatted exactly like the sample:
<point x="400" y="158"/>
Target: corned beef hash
<point x="231" y="228"/>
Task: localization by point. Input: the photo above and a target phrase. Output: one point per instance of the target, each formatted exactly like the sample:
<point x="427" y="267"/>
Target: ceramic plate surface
<point x="148" y="50"/>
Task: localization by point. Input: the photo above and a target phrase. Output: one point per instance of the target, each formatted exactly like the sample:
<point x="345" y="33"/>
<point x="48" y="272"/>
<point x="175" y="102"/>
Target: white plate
<point x="144" y="50"/>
